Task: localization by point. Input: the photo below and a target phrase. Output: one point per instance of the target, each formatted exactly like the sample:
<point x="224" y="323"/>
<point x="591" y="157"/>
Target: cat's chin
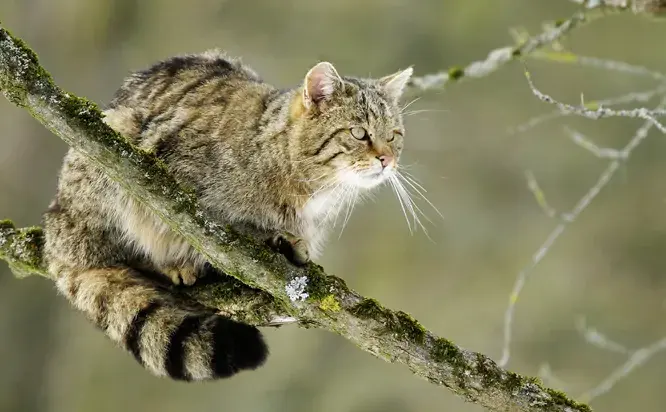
<point x="368" y="181"/>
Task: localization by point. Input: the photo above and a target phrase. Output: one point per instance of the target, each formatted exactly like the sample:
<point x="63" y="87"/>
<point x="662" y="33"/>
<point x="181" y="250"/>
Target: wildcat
<point x="276" y="164"/>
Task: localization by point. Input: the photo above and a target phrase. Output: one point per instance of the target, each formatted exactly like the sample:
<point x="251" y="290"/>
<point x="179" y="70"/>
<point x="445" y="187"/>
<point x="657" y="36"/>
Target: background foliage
<point x="608" y="267"/>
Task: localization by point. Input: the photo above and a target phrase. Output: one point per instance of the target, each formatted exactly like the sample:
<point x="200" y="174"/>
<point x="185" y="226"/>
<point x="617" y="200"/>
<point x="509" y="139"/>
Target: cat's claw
<point x="185" y="275"/>
<point x="292" y="247"/>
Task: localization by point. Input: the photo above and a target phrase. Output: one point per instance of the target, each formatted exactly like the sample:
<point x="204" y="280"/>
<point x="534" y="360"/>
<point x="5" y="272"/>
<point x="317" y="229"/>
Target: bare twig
<point x="599" y="112"/>
<point x="637" y="6"/>
<point x="323" y="301"/>
<point x="598" y="339"/>
<point x="499" y="57"/>
<point x="587" y="144"/>
<point x="595" y="62"/>
<point x="632" y="97"/>
<point x="567" y="218"/>
<point x="539" y="195"/>
<point x="635" y="358"/>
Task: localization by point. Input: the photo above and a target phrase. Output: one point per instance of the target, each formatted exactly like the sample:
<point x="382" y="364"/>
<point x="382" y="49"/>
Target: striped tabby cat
<point x="276" y="164"/>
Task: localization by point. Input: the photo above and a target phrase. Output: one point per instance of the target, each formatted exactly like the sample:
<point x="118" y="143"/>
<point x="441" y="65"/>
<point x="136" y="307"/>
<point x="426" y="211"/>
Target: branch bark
<point x="308" y="294"/>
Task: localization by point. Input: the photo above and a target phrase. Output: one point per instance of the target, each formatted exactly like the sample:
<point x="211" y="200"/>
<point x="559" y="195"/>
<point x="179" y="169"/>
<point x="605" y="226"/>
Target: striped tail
<point x="167" y="336"/>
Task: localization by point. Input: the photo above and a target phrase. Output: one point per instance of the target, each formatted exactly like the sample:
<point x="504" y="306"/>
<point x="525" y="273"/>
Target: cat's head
<point x="350" y="130"/>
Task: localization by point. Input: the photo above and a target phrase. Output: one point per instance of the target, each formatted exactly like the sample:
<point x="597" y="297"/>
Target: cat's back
<point x="168" y="82"/>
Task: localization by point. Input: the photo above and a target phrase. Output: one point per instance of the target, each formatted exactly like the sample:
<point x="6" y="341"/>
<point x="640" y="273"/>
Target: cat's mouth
<point x="366" y="178"/>
<point x="371" y="178"/>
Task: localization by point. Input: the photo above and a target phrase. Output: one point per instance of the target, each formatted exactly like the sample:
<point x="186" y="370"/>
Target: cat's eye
<point x="393" y="135"/>
<point x="359" y="133"/>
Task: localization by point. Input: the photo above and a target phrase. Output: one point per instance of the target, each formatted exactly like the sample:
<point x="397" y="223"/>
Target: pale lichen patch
<point x="296" y="289"/>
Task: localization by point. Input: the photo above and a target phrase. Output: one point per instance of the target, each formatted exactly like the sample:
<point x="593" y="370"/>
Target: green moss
<point x="592" y="105"/>
<point x="456" y="73"/>
<point x="559" y="398"/>
<point x="330" y="304"/>
<point x="22" y="249"/>
<point x="398" y="323"/>
<point x="510" y="382"/>
<point x="368" y="309"/>
<point x="320" y="285"/>
<point x="24" y="71"/>
<point x="6" y="224"/>
<point x="409" y="327"/>
<point x="444" y="351"/>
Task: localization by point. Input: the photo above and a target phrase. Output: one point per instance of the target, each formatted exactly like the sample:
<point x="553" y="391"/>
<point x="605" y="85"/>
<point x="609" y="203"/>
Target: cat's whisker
<point x="404" y="166"/>
<point x="413" y="207"/>
<point x="350" y="209"/>
<point x="409" y="104"/>
<point x="336" y="205"/>
<point x="416" y="206"/>
<point x="392" y="179"/>
<point x="415" y="185"/>
<point x="408" y="201"/>
<point x="314" y="179"/>
<point x="411" y="178"/>
<point x="413" y="112"/>
<point x="339" y="203"/>
<point x="330" y="184"/>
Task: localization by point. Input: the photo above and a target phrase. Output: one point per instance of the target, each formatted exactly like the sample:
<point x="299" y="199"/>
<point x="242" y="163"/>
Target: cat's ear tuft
<point x="394" y="84"/>
<point x="320" y="83"/>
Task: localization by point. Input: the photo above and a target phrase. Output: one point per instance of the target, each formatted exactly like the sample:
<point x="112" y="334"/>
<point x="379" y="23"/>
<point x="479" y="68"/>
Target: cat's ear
<point x="394" y="84"/>
<point x="320" y="83"/>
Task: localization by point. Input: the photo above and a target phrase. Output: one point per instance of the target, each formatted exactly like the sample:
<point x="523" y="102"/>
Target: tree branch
<point x="22" y="250"/>
<point x="307" y="294"/>
<point x="497" y="58"/>
<point x="527" y="46"/>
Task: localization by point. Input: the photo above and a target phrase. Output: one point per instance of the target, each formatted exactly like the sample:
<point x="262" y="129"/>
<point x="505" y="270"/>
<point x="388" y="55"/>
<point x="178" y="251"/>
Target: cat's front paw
<point x="181" y="274"/>
<point x="292" y="247"/>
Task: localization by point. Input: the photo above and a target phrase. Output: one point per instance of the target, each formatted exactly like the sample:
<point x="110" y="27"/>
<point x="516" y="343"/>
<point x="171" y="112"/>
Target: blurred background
<point x="608" y="266"/>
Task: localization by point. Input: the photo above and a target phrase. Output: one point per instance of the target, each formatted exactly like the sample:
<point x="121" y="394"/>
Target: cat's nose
<point x="386" y="160"/>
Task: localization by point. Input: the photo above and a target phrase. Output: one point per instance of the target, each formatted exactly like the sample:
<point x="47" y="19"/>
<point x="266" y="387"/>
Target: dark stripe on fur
<point x="331" y="157"/>
<point x="74" y="283"/>
<point x="236" y="346"/>
<point x="168" y="143"/>
<point x="326" y="141"/>
<point x="175" y="356"/>
<point x="101" y="303"/>
<point x="133" y="333"/>
<point x="323" y="145"/>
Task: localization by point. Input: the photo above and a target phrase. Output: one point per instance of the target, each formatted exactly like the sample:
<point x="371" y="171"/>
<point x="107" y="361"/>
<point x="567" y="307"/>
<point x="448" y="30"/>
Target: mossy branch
<point x="22" y="250"/>
<point x="307" y="294"/>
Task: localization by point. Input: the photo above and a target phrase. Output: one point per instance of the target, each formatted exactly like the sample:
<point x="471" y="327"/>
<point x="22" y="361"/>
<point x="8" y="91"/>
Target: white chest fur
<point x="318" y="216"/>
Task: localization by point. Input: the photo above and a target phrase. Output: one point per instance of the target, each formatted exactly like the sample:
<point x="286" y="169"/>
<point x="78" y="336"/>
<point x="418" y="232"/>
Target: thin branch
<point x="601" y="152"/>
<point x="323" y="301"/>
<point x="599" y="112"/>
<point x="603" y="180"/>
<point x="598" y="339"/>
<point x="637" y="358"/>
<point x="595" y="62"/>
<point x="634" y="359"/>
<point x="501" y="56"/>
<point x="539" y="195"/>
<point x="656" y="7"/>
<point x="632" y="97"/>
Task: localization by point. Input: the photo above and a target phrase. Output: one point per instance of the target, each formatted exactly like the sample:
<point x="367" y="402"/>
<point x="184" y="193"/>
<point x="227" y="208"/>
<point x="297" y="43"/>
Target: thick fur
<point x="277" y="164"/>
